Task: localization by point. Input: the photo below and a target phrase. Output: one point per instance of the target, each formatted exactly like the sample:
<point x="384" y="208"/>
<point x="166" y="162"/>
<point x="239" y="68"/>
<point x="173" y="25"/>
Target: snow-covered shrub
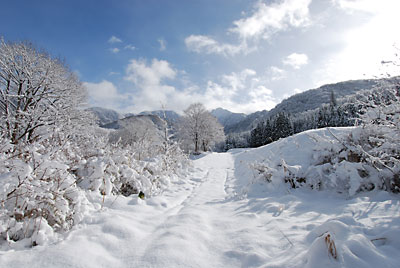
<point x="117" y="171"/>
<point x="363" y="160"/>
<point x="143" y="141"/>
<point x="132" y="161"/>
<point x="172" y="158"/>
<point x="38" y="193"/>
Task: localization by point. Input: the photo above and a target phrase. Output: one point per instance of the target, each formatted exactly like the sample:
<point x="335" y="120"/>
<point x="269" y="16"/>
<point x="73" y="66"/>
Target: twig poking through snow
<point x="287" y="238"/>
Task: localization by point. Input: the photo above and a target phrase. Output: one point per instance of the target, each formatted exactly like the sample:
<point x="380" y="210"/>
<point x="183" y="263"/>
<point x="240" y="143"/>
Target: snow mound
<point x="326" y="159"/>
<point x="343" y="242"/>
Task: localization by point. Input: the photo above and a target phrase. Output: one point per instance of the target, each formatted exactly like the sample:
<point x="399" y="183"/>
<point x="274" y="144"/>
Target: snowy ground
<point x="218" y="218"/>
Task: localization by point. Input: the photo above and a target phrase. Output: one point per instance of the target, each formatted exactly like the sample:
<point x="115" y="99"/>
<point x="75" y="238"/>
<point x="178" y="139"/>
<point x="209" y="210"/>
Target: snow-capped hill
<point x="170" y="116"/>
<point x="104" y="116"/>
<point x="315" y="98"/>
<point x="145" y="133"/>
<point x="247" y="123"/>
<point x="307" y="100"/>
<point x="137" y="121"/>
<point x="227" y="118"/>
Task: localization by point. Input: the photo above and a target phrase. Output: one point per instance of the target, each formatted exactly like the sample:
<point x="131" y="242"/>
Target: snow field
<point x="223" y="215"/>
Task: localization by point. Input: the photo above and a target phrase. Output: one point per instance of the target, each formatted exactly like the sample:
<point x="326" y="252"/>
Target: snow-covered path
<point x="205" y="221"/>
<point x="208" y="227"/>
<point x="190" y="234"/>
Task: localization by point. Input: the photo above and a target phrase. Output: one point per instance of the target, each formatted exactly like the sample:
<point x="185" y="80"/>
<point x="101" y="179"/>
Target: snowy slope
<point x="104" y="116"/>
<point x="304" y="101"/>
<point x="223" y="215"/>
<point x="227" y="118"/>
<point x="314" y="98"/>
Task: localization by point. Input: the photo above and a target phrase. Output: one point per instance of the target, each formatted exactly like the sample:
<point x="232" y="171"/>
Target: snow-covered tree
<point x="257" y="135"/>
<point x="237" y="140"/>
<point x="141" y="140"/>
<point x="201" y="128"/>
<point x="282" y="127"/>
<point x="36" y="91"/>
<point x="213" y="132"/>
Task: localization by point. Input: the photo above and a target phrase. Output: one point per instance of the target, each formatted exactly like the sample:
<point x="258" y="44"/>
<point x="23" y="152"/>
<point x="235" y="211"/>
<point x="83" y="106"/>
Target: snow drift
<point x="344" y="160"/>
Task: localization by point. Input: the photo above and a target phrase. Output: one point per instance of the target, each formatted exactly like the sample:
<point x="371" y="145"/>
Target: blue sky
<point x="242" y="55"/>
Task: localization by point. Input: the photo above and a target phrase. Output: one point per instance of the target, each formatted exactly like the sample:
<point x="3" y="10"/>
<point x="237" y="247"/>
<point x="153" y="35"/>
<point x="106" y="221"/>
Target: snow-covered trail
<point x="205" y="221"/>
<point x="207" y="228"/>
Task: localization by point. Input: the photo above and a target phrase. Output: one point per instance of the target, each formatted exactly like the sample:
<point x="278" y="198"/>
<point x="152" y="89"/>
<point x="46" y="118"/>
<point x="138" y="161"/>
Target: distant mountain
<point x="138" y="121"/>
<point x="137" y="127"/>
<point x="104" y="116"/>
<point x="247" y="123"/>
<point x="170" y="116"/>
<point x="227" y="118"/>
<point x="314" y="98"/>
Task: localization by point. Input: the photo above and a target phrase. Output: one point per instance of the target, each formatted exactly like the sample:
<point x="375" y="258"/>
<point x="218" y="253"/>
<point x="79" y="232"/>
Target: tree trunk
<point x="196" y="142"/>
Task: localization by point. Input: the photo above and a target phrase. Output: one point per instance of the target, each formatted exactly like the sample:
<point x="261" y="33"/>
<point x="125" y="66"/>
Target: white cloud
<point x="153" y="84"/>
<point x="276" y="73"/>
<point x="296" y="60"/>
<point x="260" y="92"/>
<point x="114" y="50"/>
<point x="237" y="81"/>
<point x="113" y="39"/>
<point x="130" y="47"/>
<point x="140" y="73"/>
<point x="202" y="43"/>
<point x="104" y="94"/>
<point x="269" y="19"/>
<point x="149" y="79"/>
<point x="239" y="92"/>
<point x="163" y="44"/>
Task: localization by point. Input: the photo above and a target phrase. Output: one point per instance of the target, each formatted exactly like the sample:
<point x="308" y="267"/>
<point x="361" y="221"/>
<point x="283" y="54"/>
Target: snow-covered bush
<point x="361" y="160"/>
<point x="143" y="140"/>
<point x="43" y="183"/>
<point x="38" y="193"/>
<point x="116" y="171"/>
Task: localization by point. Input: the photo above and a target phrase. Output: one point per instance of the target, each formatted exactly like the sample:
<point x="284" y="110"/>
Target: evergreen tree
<point x="333" y="101"/>
<point x="282" y="127"/>
<point x="267" y="137"/>
<point x="256" y="135"/>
